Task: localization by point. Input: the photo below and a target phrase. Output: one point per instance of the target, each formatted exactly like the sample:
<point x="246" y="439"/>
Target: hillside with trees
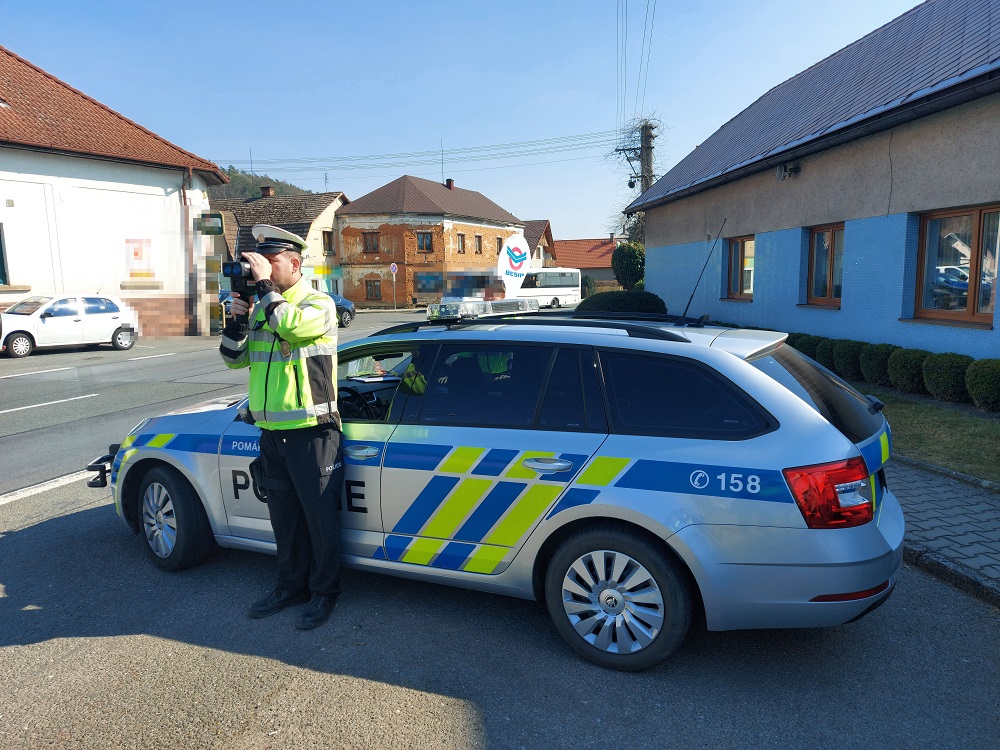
<point x="244" y="185"/>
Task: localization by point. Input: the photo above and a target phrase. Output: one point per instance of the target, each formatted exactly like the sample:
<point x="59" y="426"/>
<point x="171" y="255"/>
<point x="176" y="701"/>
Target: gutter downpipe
<point x="191" y="284"/>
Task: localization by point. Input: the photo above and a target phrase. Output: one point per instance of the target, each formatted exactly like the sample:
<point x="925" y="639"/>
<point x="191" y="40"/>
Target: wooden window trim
<point x="499" y="245"/>
<point x="461" y="243"/>
<point x="373" y="282"/>
<point x="970" y="314"/>
<point x="830" y="300"/>
<point x="364" y="242"/>
<point x="734" y="286"/>
<point x="478" y="242"/>
<point x="429" y="250"/>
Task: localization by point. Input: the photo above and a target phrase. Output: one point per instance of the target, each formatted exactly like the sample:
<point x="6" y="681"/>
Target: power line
<point x="649" y="49"/>
<point x="642" y="51"/>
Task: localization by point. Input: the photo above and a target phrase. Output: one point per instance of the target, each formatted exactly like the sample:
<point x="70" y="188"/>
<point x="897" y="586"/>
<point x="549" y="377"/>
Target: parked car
<point x="631" y="475"/>
<point x="40" y="322"/>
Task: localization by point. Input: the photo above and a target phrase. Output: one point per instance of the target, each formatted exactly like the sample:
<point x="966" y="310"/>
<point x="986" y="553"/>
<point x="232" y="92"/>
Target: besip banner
<point x="513" y="264"/>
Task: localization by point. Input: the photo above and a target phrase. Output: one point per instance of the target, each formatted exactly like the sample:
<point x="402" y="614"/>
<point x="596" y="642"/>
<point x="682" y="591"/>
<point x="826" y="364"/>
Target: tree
<point x="243" y="185"/>
<point x="629" y="264"/>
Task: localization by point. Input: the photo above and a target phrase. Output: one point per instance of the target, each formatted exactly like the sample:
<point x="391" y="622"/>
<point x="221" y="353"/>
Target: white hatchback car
<point x="66" y="321"/>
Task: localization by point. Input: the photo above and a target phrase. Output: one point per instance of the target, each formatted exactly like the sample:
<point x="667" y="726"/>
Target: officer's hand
<point x="238" y="306"/>
<point x="259" y="265"/>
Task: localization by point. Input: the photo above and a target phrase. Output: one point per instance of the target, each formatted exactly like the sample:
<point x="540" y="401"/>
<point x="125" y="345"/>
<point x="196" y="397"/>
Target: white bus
<point x="552" y="287"/>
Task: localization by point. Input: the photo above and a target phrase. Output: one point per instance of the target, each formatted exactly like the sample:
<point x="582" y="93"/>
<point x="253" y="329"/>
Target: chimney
<point x="449" y="183"/>
<point x="266" y="191"/>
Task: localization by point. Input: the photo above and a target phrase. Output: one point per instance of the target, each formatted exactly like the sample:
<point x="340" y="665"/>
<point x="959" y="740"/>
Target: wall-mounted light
<point x="784" y="171"/>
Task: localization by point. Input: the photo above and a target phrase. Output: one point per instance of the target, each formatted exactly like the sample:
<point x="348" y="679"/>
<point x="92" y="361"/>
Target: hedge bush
<point x="793" y="338"/>
<point x="982" y="380"/>
<point x="944" y="376"/>
<point x="847" y="358"/>
<point x="641" y="302"/>
<point x="807" y="344"/>
<point x="874" y="361"/>
<point x="906" y="370"/>
<point x="587" y="286"/>
<point x="824" y="352"/>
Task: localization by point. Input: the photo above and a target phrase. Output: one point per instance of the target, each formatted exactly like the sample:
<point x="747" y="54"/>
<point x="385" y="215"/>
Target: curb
<point x="961" y="577"/>
<point x="984" y="484"/>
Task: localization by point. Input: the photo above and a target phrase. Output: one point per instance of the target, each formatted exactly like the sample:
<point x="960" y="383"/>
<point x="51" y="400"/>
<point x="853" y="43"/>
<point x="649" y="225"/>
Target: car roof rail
<point x="635" y="329"/>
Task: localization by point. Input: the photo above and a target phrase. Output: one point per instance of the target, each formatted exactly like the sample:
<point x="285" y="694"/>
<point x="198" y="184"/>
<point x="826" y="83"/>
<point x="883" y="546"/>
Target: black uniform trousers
<point x="304" y="479"/>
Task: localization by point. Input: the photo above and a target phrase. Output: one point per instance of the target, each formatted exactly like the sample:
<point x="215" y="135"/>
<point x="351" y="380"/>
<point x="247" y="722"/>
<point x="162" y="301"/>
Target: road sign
<point x="393" y="268"/>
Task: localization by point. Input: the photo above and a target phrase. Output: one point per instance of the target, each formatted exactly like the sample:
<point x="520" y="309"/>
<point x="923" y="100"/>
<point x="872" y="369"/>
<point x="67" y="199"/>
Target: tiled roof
<point x="534" y="230"/>
<point x="40" y="111"/>
<point x="930" y="53"/>
<point x="415" y="195"/>
<point x="584" y="253"/>
<point x="294" y="213"/>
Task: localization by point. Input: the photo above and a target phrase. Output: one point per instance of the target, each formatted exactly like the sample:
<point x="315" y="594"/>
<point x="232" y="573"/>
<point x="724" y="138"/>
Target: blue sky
<point x="321" y="81"/>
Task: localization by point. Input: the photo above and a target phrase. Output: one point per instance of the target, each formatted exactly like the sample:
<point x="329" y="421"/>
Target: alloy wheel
<point x="159" y="520"/>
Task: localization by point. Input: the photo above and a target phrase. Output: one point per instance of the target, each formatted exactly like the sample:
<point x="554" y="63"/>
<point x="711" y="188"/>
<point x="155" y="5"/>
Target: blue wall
<point x="880" y="256"/>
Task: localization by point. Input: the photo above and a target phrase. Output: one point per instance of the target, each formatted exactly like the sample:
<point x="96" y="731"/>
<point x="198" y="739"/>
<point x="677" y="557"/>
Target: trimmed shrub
<point x="874" y="361"/>
<point x="793" y="338"/>
<point x="906" y="370"/>
<point x="640" y="286"/>
<point x="847" y="359"/>
<point x="641" y="302"/>
<point x="807" y="344"/>
<point x="824" y="352"/>
<point x="982" y="380"/>
<point x="628" y="263"/>
<point x="944" y="376"/>
<point x="587" y="286"/>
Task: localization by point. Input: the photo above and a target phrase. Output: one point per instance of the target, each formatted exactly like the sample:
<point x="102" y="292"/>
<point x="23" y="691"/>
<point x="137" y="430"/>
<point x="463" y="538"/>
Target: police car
<point x="631" y="474"/>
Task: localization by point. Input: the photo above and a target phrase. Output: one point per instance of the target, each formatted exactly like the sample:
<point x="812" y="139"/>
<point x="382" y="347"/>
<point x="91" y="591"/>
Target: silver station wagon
<point x="630" y="474"/>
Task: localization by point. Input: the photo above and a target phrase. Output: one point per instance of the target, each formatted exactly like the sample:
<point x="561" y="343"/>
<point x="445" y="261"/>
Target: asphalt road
<point x="99" y="649"/>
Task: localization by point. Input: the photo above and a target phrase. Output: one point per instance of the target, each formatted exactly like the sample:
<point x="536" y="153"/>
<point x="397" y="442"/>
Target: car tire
<point x="172" y="521"/>
<point x="123" y="339"/>
<point x="618" y="599"/>
<point x="346" y="318"/>
<point x="19" y="345"/>
<point x="555" y="302"/>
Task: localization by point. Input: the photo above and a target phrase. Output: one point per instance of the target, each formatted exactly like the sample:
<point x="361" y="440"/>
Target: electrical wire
<point x="649" y="49"/>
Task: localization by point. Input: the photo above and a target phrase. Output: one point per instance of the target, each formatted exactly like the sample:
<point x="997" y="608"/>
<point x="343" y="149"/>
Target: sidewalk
<point x="952" y="528"/>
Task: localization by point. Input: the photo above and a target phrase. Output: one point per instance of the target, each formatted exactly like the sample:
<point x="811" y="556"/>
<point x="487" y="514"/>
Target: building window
<point x="328" y="243"/>
<point x="371" y="241"/>
<point x="373" y="289"/>
<point x="741" y="258"/>
<point x="479" y="244"/>
<point x="957" y="267"/>
<point x="4" y="279"/>
<point x="425" y="242"/>
<point x="499" y="245"/>
<point x="461" y="244"/>
<point x="826" y="265"/>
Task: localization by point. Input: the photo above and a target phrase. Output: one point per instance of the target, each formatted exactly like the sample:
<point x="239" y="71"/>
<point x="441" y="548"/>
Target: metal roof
<point x="932" y="53"/>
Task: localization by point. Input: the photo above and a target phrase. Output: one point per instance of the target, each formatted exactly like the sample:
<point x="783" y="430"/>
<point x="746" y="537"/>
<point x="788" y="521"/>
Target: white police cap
<point x="272" y="240"/>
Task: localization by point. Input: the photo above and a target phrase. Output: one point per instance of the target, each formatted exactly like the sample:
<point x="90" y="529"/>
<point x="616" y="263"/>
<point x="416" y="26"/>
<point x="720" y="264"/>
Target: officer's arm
<point x="234" y="344"/>
<point x="313" y="318"/>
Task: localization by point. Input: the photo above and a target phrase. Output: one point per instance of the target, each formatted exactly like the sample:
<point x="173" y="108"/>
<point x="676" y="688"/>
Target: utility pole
<point x="646" y="154"/>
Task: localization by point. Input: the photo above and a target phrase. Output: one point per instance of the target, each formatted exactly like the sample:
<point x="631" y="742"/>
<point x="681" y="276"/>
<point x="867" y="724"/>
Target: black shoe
<point x="317" y="611"/>
<point x="276" y="601"/>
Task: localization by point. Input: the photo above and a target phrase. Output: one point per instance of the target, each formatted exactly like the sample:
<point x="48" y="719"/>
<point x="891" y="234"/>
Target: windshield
<point x="832" y="397"/>
<point x="27" y="306"/>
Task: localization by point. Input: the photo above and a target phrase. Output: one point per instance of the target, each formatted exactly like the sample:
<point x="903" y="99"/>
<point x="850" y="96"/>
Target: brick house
<point x="861" y="197"/>
<point x="91" y="202"/>
<point x="427" y="229"/>
<point x="310" y="216"/>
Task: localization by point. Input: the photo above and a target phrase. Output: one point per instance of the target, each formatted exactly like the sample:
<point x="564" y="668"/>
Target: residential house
<point x="91" y="202"/>
<point x="310" y="216"/>
<point x="538" y="234"/>
<point x="428" y="229"/>
<point x="859" y="199"/>
<point x="592" y="257"/>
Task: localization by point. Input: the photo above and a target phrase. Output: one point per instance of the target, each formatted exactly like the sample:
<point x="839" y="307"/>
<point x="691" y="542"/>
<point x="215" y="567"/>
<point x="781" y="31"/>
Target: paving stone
<point x="972" y="550"/>
<point x="980" y="562"/>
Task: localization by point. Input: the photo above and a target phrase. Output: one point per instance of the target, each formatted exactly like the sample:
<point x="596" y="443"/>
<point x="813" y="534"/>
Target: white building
<point x="92" y="202"/>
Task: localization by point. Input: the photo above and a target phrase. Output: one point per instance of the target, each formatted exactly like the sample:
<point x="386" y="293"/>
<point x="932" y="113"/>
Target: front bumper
<point x="102" y="465"/>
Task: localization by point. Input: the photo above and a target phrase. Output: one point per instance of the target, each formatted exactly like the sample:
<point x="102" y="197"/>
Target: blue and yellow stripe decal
<point x="191" y="443"/>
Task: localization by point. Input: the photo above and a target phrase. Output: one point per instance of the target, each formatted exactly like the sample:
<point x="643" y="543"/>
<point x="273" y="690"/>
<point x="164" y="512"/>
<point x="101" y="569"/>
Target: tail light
<point x="833" y="496"/>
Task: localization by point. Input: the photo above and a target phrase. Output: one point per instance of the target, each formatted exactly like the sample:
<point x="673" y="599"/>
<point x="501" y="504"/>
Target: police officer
<point x="290" y="346"/>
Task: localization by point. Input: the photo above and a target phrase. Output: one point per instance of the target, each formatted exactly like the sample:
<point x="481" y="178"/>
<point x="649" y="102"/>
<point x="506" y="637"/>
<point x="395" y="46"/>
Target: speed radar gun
<point x="238" y="272"/>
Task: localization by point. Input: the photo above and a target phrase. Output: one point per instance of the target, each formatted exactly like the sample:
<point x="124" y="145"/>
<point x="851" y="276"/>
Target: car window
<point x="674" y="397"/>
<point x="564" y="405"/>
<point x="64" y="308"/>
<point x="483" y="385"/>
<point x="94" y="305"/>
<point x="369" y="382"/>
<point x="27" y="306"/>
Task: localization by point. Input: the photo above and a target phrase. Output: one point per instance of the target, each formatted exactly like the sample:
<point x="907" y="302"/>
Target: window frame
<point x="366" y="245"/>
<point x="734" y="287"/>
<point x="328" y="246"/>
<point x="499" y="245"/>
<point x="970" y="314"/>
<point x="461" y="243"/>
<point x="377" y="287"/>
<point x="478" y="243"/>
<point x="829" y="300"/>
<point x="430" y="242"/>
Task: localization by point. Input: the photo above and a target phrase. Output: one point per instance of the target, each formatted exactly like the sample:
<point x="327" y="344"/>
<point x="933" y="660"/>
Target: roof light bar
<point x="455" y="311"/>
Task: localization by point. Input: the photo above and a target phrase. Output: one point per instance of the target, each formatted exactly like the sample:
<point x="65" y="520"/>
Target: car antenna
<point x="683" y="317"/>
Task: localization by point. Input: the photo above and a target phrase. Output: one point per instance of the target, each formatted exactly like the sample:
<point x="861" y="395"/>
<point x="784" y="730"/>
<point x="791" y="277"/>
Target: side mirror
<point x="46" y="314"/>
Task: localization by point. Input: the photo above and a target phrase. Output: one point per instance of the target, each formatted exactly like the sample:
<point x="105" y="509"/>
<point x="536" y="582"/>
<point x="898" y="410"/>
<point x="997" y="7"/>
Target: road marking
<point x="49" y="403"/>
<point x="36" y="372"/>
<point x="151" y="356"/>
<point x="44" y="486"/>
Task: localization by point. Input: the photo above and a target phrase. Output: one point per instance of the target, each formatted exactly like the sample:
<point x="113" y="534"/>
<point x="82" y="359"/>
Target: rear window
<point x="834" y="399"/>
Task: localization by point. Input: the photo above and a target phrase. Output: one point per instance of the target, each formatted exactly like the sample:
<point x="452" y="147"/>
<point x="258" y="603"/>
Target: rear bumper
<point x="764" y="577"/>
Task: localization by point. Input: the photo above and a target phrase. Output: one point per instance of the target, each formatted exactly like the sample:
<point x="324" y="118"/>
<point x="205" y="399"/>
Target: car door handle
<point x="361" y="452"/>
<point x="114" y="317"/>
<point x="547" y="465"/>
